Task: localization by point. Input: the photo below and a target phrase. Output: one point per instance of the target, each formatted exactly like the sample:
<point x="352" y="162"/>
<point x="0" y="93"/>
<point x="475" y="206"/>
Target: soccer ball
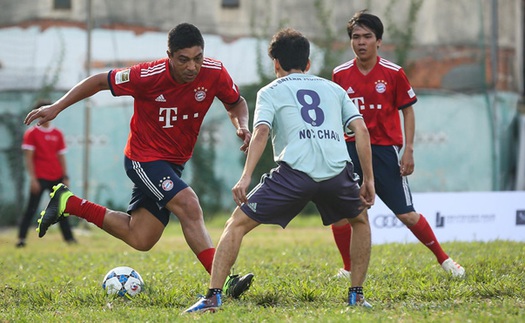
<point x="123" y="281"/>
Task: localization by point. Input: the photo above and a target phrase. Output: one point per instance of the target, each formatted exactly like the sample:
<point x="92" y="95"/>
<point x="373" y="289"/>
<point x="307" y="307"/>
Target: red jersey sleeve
<point x="405" y="95"/>
<point x="28" y="142"/>
<point x="120" y="80"/>
<point x="62" y="148"/>
<point x="228" y="91"/>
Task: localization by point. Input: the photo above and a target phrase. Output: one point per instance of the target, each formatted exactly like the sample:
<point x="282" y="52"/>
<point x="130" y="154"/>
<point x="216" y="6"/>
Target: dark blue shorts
<point x="391" y="187"/>
<point x="156" y="183"/>
<point x="284" y="192"/>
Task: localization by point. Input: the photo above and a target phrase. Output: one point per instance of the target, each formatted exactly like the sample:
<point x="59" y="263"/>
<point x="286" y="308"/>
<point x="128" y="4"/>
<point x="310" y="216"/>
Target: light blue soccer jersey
<point x="307" y="115"/>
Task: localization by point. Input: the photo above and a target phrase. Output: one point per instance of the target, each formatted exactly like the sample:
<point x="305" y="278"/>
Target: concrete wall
<point x="453" y="147"/>
<point x="452" y="39"/>
<point x="438" y="21"/>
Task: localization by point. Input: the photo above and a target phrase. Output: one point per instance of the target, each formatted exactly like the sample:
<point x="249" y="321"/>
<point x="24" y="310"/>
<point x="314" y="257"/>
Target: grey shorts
<point x="284" y="192"/>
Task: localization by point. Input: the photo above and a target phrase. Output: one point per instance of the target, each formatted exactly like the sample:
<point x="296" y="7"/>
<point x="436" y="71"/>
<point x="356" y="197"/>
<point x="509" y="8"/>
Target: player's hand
<point x="35" y="186"/>
<point x="245" y="136"/>
<point x="406" y="166"/>
<point x="239" y="190"/>
<point x="367" y="193"/>
<point x="43" y="114"/>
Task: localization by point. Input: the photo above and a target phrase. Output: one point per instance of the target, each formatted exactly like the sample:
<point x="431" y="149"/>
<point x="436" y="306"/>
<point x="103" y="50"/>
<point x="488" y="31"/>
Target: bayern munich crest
<point x="200" y="94"/>
<point x="381" y="86"/>
<point x="166" y="184"/>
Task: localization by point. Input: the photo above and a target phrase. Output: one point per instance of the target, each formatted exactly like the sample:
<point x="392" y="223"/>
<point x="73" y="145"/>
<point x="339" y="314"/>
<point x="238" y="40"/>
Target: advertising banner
<point x="456" y="216"/>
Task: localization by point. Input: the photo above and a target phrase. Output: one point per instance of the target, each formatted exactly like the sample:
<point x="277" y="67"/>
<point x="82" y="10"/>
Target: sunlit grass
<point x="49" y="281"/>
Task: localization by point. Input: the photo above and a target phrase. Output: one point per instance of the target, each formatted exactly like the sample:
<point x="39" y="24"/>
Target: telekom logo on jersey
<point x="169" y="115"/>
<point x="360" y="103"/>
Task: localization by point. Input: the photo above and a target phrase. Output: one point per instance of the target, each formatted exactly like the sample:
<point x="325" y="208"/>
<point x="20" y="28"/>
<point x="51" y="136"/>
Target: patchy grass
<point x="49" y="281"/>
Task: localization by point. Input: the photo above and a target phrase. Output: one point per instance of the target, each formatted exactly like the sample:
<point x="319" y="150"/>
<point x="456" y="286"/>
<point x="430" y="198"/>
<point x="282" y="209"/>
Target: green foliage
<point x="266" y="162"/>
<point x="331" y="56"/>
<point x="12" y="123"/>
<point x="204" y="180"/>
<point x="49" y="281"/>
<point x="52" y="74"/>
<point x="10" y="210"/>
<point x="402" y="36"/>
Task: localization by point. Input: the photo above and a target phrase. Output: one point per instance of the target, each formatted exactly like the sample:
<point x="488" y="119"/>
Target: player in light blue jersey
<point x="305" y="116"/>
<point x="306" y="134"/>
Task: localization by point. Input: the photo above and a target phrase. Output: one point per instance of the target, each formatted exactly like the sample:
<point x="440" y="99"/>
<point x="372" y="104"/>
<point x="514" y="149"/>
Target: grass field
<point x="49" y="281"/>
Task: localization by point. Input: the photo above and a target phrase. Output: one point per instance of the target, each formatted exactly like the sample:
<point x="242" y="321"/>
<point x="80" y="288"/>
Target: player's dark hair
<point x="184" y="35"/>
<point x="290" y="48"/>
<point x="363" y="19"/>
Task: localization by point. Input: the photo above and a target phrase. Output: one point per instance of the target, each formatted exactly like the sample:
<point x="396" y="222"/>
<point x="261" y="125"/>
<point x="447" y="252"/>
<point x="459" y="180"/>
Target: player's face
<point x="186" y="63"/>
<point x="364" y="43"/>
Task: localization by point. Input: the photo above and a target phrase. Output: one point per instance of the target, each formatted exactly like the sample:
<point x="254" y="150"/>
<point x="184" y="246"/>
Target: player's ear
<point x="276" y="65"/>
<point x="378" y="43"/>
<point x="168" y="53"/>
<point x="307" y="66"/>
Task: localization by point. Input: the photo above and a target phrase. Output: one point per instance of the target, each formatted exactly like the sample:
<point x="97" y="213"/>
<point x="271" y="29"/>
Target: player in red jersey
<point x="380" y="89"/>
<point x="171" y="98"/>
<point x="44" y="148"/>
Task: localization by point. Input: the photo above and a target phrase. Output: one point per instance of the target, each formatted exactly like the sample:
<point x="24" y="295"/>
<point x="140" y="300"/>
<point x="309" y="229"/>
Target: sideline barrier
<point x="456" y="216"/>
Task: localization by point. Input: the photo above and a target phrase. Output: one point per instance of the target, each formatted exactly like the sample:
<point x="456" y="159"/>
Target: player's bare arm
<point x="238" y="113"/>
<point x="407" y="159"/>
<point x="82" y="90"/>
<point x="364" y="152"/>
<point x="257" y="145"/>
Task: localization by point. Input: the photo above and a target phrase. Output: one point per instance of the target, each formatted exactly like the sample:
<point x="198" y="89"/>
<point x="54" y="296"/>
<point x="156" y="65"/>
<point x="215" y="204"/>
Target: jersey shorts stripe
<point x="152" y="70"/>
<point x="391" y="187"/>
<point x="145" y="180"/>
<point x="284" y="192"/>
<point x="406" y="187"/>
<point x="388" y="64"/>
<point x="343" y="66"/>
<point x="211" y="64"/>
<point x="155" y="184"/>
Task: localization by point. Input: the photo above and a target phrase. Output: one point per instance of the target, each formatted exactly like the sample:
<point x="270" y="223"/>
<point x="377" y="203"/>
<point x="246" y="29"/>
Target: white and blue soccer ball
<point x="123" y="281"/>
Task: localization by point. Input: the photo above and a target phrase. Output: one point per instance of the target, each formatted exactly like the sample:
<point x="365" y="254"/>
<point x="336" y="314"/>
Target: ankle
<point x="213" y="291"/>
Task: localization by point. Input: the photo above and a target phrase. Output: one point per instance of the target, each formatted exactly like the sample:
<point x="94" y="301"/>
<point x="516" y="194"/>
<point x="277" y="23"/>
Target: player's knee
<point x="143" y="245"/>
<point x="408" y="219"/>
<point x="362" y="218"/>
<point x="240" y="223"/>
<point x="341" y="223"/>
<point x="186" y="206"/>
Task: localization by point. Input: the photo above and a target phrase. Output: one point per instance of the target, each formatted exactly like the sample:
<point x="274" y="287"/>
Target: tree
<point x="204" y="180"/>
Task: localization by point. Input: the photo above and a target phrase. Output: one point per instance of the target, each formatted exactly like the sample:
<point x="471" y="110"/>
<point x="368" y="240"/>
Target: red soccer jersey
<point x="167" y="115"/>
<point x="46" y="144"/>
<point x="379" y="95"/>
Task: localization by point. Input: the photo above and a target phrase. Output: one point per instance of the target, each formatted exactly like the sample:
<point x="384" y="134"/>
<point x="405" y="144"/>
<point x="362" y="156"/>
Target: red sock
<point x="206" y="258"/>
<point x="90" y="211"/>
<point x="424" y="233"/>
<point x="343" y="236"/>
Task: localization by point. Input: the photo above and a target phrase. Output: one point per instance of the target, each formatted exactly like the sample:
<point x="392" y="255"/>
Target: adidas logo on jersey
<point x="253" y="206"/>
<point x="160" y="98"/>
<point x="350" y="90"/>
